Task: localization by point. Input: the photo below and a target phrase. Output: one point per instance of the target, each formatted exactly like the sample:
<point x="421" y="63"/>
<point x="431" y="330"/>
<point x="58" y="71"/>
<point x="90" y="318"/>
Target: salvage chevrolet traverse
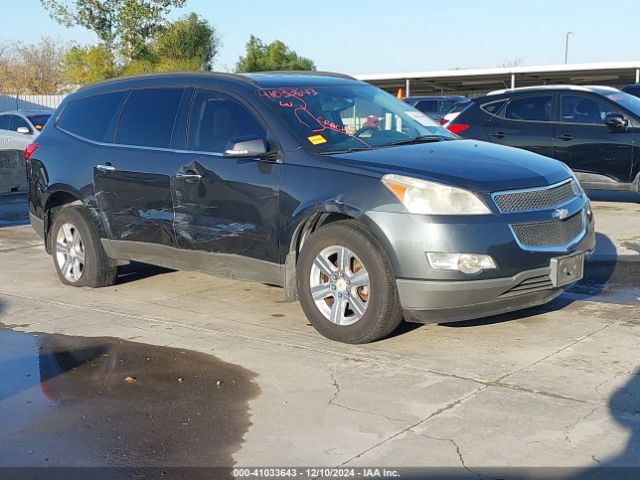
<point x="353" y="201"/>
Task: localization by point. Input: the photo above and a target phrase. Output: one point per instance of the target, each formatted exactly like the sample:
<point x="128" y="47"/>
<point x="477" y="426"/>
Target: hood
<point x="469" y="164"/>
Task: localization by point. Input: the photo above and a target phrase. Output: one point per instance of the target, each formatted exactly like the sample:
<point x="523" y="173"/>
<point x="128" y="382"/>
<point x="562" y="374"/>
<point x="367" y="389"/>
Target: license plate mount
<point x="568" y="269"/>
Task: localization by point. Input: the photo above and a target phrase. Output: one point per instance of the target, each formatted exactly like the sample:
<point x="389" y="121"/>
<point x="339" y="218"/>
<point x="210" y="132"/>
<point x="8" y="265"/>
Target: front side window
<point x="584" y="109"/>
<point x="533" y="109"/>
<point x="333" y="118"/>
<point x="17" y="122"/>
<point x="217" y="119"/>
<point x="148" y="117"/>
<point x="92" y="117"/>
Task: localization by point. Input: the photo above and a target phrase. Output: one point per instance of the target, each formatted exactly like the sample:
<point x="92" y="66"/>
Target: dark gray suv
<point x="353" y="201"/>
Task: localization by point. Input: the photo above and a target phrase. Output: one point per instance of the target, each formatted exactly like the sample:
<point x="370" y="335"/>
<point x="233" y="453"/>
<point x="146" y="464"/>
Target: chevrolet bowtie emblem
<point x="561" y="213"/>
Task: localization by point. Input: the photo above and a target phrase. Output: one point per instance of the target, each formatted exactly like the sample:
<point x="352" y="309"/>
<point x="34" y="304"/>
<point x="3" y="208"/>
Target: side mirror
<point x="616" y="120"/>
<point x="250" y="146"/>
<point x="23" y="130"/>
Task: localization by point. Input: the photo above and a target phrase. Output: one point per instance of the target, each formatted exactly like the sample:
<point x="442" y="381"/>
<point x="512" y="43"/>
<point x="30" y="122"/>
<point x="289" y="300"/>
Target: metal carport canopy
<point x="474" y="82"/>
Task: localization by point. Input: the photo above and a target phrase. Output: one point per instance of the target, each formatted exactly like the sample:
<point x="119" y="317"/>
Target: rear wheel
<point x="346" y="285"/>
<point x="78" y="255"/>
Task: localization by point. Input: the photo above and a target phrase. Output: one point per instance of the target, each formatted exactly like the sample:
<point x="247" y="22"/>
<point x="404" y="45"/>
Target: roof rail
<point x="301" y="72"/>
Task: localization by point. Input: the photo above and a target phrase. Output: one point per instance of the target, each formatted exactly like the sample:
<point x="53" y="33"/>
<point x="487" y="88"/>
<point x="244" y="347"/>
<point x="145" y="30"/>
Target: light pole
<point x="566" y="47"/>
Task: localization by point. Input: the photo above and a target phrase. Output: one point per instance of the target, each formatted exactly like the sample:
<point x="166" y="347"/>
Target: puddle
<point x="104" y="402"/>
<point x="617" y="283"/>
<point x="14" y="209"/>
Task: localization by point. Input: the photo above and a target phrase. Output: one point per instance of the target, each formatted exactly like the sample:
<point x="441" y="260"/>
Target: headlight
<point x="430" y="198"/>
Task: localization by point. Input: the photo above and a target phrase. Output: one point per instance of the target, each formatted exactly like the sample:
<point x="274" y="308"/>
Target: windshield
<point x="39" y="121"/>
<point x="627" y="101"/>
<point x="349" y="117"/>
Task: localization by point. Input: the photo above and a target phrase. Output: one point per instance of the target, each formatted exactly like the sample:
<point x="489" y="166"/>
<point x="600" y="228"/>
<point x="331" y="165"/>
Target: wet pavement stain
<point x="103" y="402"/>
<point x="617" y="283"/>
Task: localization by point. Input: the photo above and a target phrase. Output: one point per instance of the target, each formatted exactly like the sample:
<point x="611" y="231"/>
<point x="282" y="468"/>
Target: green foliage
<point x="190" y="41"/>
<point x="126" y="25"/>
<point x="84" y="65"/>
<point x="274" y="56"/>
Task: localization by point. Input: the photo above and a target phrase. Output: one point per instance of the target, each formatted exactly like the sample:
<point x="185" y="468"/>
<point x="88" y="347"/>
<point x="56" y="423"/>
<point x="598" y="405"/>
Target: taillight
<point x="32" y="147"/>
<point x="442" y="121"/>
<point x="457" y="127"/>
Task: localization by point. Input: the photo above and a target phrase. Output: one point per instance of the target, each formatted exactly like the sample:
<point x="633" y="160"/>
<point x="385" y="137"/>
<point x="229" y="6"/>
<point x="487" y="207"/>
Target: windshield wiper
<point x="420" y="139"/>
<point x="347" y="150"/>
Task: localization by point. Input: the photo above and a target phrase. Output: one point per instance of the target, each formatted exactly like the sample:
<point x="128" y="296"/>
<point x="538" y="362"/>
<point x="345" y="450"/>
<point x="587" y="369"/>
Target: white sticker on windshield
<point x="421" y="118"/>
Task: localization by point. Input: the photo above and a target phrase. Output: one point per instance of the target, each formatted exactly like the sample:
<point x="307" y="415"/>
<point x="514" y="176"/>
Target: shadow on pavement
<point x="624" y="407"/>
<point x="137" y="271"/>
<point x="14" y="209"/>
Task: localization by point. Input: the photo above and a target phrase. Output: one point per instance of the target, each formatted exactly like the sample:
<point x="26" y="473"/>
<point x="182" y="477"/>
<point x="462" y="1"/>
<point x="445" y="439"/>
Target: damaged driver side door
<point x="226" y="209"/>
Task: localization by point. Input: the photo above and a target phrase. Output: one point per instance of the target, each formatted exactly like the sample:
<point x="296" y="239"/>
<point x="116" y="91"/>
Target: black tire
<point x="98" y="269"/>
<point x="383" y="313"/>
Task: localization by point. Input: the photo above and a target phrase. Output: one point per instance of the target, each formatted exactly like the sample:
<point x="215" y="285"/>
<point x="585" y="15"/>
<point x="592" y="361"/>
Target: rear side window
<point x="148" y="117"/>
<point x="92" y="117"/>
<point x="537" y="109"/>
<point x="4" y="122"/>
<point x="493" y="108"/>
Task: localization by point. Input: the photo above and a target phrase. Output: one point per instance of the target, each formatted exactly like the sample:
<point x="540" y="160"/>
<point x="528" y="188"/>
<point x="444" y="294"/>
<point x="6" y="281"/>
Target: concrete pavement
<point x="554" y="386"/>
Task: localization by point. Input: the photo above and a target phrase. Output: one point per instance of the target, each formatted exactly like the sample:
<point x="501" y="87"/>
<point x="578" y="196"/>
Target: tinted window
<point x="92" y="117"/>
<point x="446" y="106"/>
<point x="583" y="109"/>
<point x="39" y="121"/>
<point x="494" y="107"/>
<point x="218" y="118"/>
<point x="427" y="106"/>
<point x="530" y="108"/>
<point x="627" y="101"/>
<point x="4" y="122"/>
<point x="17" y="122"/>
<point x="148" y="117"/>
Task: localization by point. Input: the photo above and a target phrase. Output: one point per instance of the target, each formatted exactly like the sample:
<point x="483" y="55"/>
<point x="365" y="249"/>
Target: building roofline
<point x="571" y="67"/>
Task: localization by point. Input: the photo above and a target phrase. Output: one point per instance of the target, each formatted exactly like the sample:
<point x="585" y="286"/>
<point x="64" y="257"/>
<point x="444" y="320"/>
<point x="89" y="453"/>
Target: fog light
<point x="469" y="263"/>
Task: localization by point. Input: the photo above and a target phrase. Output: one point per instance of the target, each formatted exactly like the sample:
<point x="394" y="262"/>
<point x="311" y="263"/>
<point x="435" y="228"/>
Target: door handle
<point x="9" y="140"/>
<point x="565" y="138"/>
<point x="498" y="134"/>
<point x="189" y="177"/>
<point x="105" y="168"/>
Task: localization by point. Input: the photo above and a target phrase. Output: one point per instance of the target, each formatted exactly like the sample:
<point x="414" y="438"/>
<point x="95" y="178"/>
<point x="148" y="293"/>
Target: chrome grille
<point x="535" y="199"/>
<point x="555" y="233"/>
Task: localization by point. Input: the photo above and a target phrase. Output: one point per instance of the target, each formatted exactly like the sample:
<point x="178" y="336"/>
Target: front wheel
<point x="346" y="286"/>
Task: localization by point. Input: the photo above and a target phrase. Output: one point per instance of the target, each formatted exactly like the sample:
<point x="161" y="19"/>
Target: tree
<point x="190" y="42"/>
<point x="84" y="65"/>
<point x="275" y="56"/>
<point x="39" y="66"/>
<point x="126" y="25"/>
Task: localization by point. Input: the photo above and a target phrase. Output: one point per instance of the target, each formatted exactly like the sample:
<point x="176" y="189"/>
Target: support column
<point x="407" y="87"/>
<point x="513" y="81"/>
<point x="637" y="75"/>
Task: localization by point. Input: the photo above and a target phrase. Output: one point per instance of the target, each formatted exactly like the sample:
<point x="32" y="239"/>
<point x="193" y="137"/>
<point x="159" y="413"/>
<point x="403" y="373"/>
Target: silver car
<point x="18" y="128"/>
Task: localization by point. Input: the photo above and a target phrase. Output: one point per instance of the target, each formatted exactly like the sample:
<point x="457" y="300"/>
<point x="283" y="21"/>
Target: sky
<point x="375" y="36"/>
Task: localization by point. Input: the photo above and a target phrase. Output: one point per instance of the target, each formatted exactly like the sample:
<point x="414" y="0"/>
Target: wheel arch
<point x="311" y="220"/>
<point x="58" y="196"/>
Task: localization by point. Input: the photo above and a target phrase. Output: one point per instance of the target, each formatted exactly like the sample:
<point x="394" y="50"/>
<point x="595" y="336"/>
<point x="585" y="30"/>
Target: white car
<point x="19" y="128"/>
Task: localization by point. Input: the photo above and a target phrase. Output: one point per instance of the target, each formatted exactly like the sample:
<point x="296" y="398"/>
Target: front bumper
<point x="522" y="279"/>
<point x="425" y="301"/>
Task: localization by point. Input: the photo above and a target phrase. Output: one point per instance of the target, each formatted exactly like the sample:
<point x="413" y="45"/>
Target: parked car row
<point x="593" y="130"/>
